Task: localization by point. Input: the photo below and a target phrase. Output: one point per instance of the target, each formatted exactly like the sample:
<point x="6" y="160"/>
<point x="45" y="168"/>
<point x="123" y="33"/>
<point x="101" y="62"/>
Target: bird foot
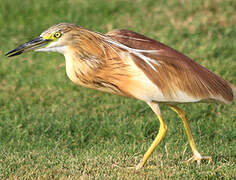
<point x="197" y="157"/>
<point x="140" y="165"/>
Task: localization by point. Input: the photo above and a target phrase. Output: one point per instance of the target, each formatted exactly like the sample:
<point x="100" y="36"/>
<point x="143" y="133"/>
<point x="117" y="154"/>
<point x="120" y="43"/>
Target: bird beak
<point x="30" y="45"/>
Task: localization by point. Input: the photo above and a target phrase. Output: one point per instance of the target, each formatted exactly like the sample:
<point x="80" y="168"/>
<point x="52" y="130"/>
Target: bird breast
<point x="91" y="74"/>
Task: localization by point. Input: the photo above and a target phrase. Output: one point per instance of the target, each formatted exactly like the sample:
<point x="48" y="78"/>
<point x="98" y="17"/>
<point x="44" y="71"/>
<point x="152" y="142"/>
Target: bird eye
<point x="57" y="35"/>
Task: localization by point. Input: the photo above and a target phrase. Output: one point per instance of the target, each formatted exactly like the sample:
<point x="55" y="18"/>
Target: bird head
<point x="57" y="38"/>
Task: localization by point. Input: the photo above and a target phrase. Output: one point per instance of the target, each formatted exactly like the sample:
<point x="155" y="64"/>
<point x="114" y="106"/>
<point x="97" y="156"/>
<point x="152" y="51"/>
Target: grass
<point x="52" y="129"/>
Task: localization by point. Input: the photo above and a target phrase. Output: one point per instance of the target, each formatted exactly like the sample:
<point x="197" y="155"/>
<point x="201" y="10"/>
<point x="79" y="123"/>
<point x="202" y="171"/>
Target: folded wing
<point x="170" y="70"/>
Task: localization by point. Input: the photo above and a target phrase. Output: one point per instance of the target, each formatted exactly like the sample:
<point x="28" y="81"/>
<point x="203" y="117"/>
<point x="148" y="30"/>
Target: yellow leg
<point x="161" y="134"/>
<point x="196" y="155"/>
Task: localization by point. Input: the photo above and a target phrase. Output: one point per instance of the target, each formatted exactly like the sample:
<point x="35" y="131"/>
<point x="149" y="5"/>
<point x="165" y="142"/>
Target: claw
<point x="140" y="165"/>
<point x="197" y="157"/>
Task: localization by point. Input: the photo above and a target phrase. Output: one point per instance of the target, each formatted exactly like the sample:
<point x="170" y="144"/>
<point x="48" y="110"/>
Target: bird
<point x="129" y="64"/>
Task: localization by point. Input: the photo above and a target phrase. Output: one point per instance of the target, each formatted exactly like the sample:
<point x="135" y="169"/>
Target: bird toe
<point x="198" y="158"/>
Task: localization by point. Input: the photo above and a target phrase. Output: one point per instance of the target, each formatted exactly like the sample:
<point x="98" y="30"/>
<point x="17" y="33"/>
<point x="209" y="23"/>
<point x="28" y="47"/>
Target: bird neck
<point x="84" y="56"/>
<point x="86" y="43"/>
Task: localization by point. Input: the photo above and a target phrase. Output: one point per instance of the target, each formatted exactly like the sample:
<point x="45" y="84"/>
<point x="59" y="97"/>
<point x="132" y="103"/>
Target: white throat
<point x="53" y="47"/>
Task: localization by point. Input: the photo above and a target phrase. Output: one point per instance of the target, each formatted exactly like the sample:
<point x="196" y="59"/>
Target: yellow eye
<point x="57" y="35"/>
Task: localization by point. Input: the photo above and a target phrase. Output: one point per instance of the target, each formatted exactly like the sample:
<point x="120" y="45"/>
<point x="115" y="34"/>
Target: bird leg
<point x="161" y="134"/>
<point x="196" y="155"/>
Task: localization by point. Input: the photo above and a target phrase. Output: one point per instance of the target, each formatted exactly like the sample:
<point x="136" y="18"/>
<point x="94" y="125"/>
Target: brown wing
<point x="173" y="70"/>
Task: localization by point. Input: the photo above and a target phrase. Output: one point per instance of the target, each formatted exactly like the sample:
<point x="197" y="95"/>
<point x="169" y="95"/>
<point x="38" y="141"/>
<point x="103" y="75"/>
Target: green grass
<point x="52" y="129"/>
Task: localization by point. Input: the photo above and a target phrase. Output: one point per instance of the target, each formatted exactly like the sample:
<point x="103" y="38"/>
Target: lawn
<point x="52" y="129"/>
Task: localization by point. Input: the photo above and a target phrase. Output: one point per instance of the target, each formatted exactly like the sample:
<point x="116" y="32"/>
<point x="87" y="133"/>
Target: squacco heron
<point x="126" y="63"/>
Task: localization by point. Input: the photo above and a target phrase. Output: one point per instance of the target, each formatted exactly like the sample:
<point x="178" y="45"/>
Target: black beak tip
<point x="11" y="53"/>
<point x="20" y="49"/>
<point x="7" y="54"/>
